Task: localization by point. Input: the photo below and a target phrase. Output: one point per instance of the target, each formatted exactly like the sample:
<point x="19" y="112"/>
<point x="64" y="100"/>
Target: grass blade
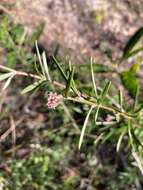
<point x="84" y="127"/>
<point x="105" y="91"/>
<point x="39" y="57"/>
<point x="93" y="79"/>
<point x="60" y="69"/>
<point x="45" y="64"/>
<point x="7" y="83"/>
<point x="136" y="98"/>
<point x="132" y="42"/>
<point x="5" y="76"/>
<point x="96" y="114"/>
<point x="69" y="82"/>
<point x="121" y="100"/>
<point x="73" y="86"/>
<point x="120" y="140"/>
<point x="32" y="86"/>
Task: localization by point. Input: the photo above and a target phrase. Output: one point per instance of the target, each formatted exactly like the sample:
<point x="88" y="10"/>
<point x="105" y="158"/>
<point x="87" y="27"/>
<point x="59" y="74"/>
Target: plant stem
<point x="74" y="99"/>
<point x="91" y="103"/>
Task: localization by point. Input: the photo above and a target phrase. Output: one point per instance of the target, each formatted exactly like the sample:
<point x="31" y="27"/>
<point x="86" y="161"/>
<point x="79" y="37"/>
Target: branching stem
<point x="74" y="99"/>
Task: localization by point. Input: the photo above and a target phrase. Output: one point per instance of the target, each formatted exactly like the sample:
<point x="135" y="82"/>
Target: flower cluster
<point x="54" y="100"/>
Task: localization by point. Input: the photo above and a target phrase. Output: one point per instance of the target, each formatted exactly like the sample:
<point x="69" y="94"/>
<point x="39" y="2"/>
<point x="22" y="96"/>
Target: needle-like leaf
<point x="5" y="76"/>
<point x="45" y="64"/>
<point x="40" y="59"/>
<point x="32" y="86"/>
<point x="7" y="83"/>
<point x="84" y="127"/>
<point x="93" y="79"/>
<point x="120" y="140"/>
<point x="69" y="82"/>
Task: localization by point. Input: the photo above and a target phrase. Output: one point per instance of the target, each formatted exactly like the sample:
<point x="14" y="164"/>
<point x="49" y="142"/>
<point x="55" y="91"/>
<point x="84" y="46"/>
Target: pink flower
<point x="54" y="100"/>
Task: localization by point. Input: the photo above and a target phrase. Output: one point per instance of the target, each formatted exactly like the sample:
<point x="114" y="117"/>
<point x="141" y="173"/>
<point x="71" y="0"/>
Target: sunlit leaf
<point x="135" y="67"/>
<point x="132" y="42"/>
<point x="7" y="83"/>
<point x="93" y="79"/>
<point x="32" y="86"/>
<point x="69" y="82"/>
<point x="130" y="82"/>
<point x="84" y="127"/>
<point x="5" y="76"/>
<point x="104" y="91"/>
<point x="45" y="64"/>
<point x="98" y="68"/>
<point x="121" y="100"/>
<point x="133" y="53"/>
<point x="120" y="140"/>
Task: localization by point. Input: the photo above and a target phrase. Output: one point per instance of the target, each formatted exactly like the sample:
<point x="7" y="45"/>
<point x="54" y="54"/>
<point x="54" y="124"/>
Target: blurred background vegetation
<point x="39" y="147"/>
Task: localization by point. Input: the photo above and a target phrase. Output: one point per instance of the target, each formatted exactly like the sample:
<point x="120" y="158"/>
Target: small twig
<point x="21" y="73"/>
<point x="91" y="103"/>
<point x="5" y="134"/>
<point x="4" y="9"/>
<point x="13" y="127"/>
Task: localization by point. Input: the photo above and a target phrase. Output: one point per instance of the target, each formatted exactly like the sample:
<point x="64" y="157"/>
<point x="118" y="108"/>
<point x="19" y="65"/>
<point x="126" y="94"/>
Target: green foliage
<point x="132" y="42"/>
<point x="130" y="82"/>
<point x="98" y="68"/>
<point x="12" y="39"/>
<point x="11" y="59"/>
<point x="32" y="87"/>
<point x="69" y="82"/>
<point x="30" y="173"/>
<point x="16" y="32"/>
<point x="36" y="34"/>
<point x="115" y="121"/>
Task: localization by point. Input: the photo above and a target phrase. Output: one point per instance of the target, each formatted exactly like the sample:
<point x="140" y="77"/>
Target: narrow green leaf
<point x="84" y="127"/>
<point x="93" y="79"/>
<point x="70" y="66"/>
<point x="60" y="69"/>
<point x="120" y="140"/>
<point x="96" y="113"/>
<point x="5" y="76"/>
<point x="65" y="77"/>
<point x="98" y="68"/>
<point x="139" y="109"/>
<point x="36" y="66"/>
<point x="130" y="82"/>
<point x="7" y="83"/>
<point x="130" y="133"/>
<point x="105" y="91"/>
<point x="133" y="53"/>
<point x="136" y="139"/>
<point x="135" y="67"/>
<point x="69" y="82"/>
<point x="121" y="100"/>
<point x="32" y="86"/>
<point x="132" y="42"/>
<point x="108" y="136"/>
<point x="40" y="59"/>
<point x="45" y="64"/>
<point x="136" y="98"/>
